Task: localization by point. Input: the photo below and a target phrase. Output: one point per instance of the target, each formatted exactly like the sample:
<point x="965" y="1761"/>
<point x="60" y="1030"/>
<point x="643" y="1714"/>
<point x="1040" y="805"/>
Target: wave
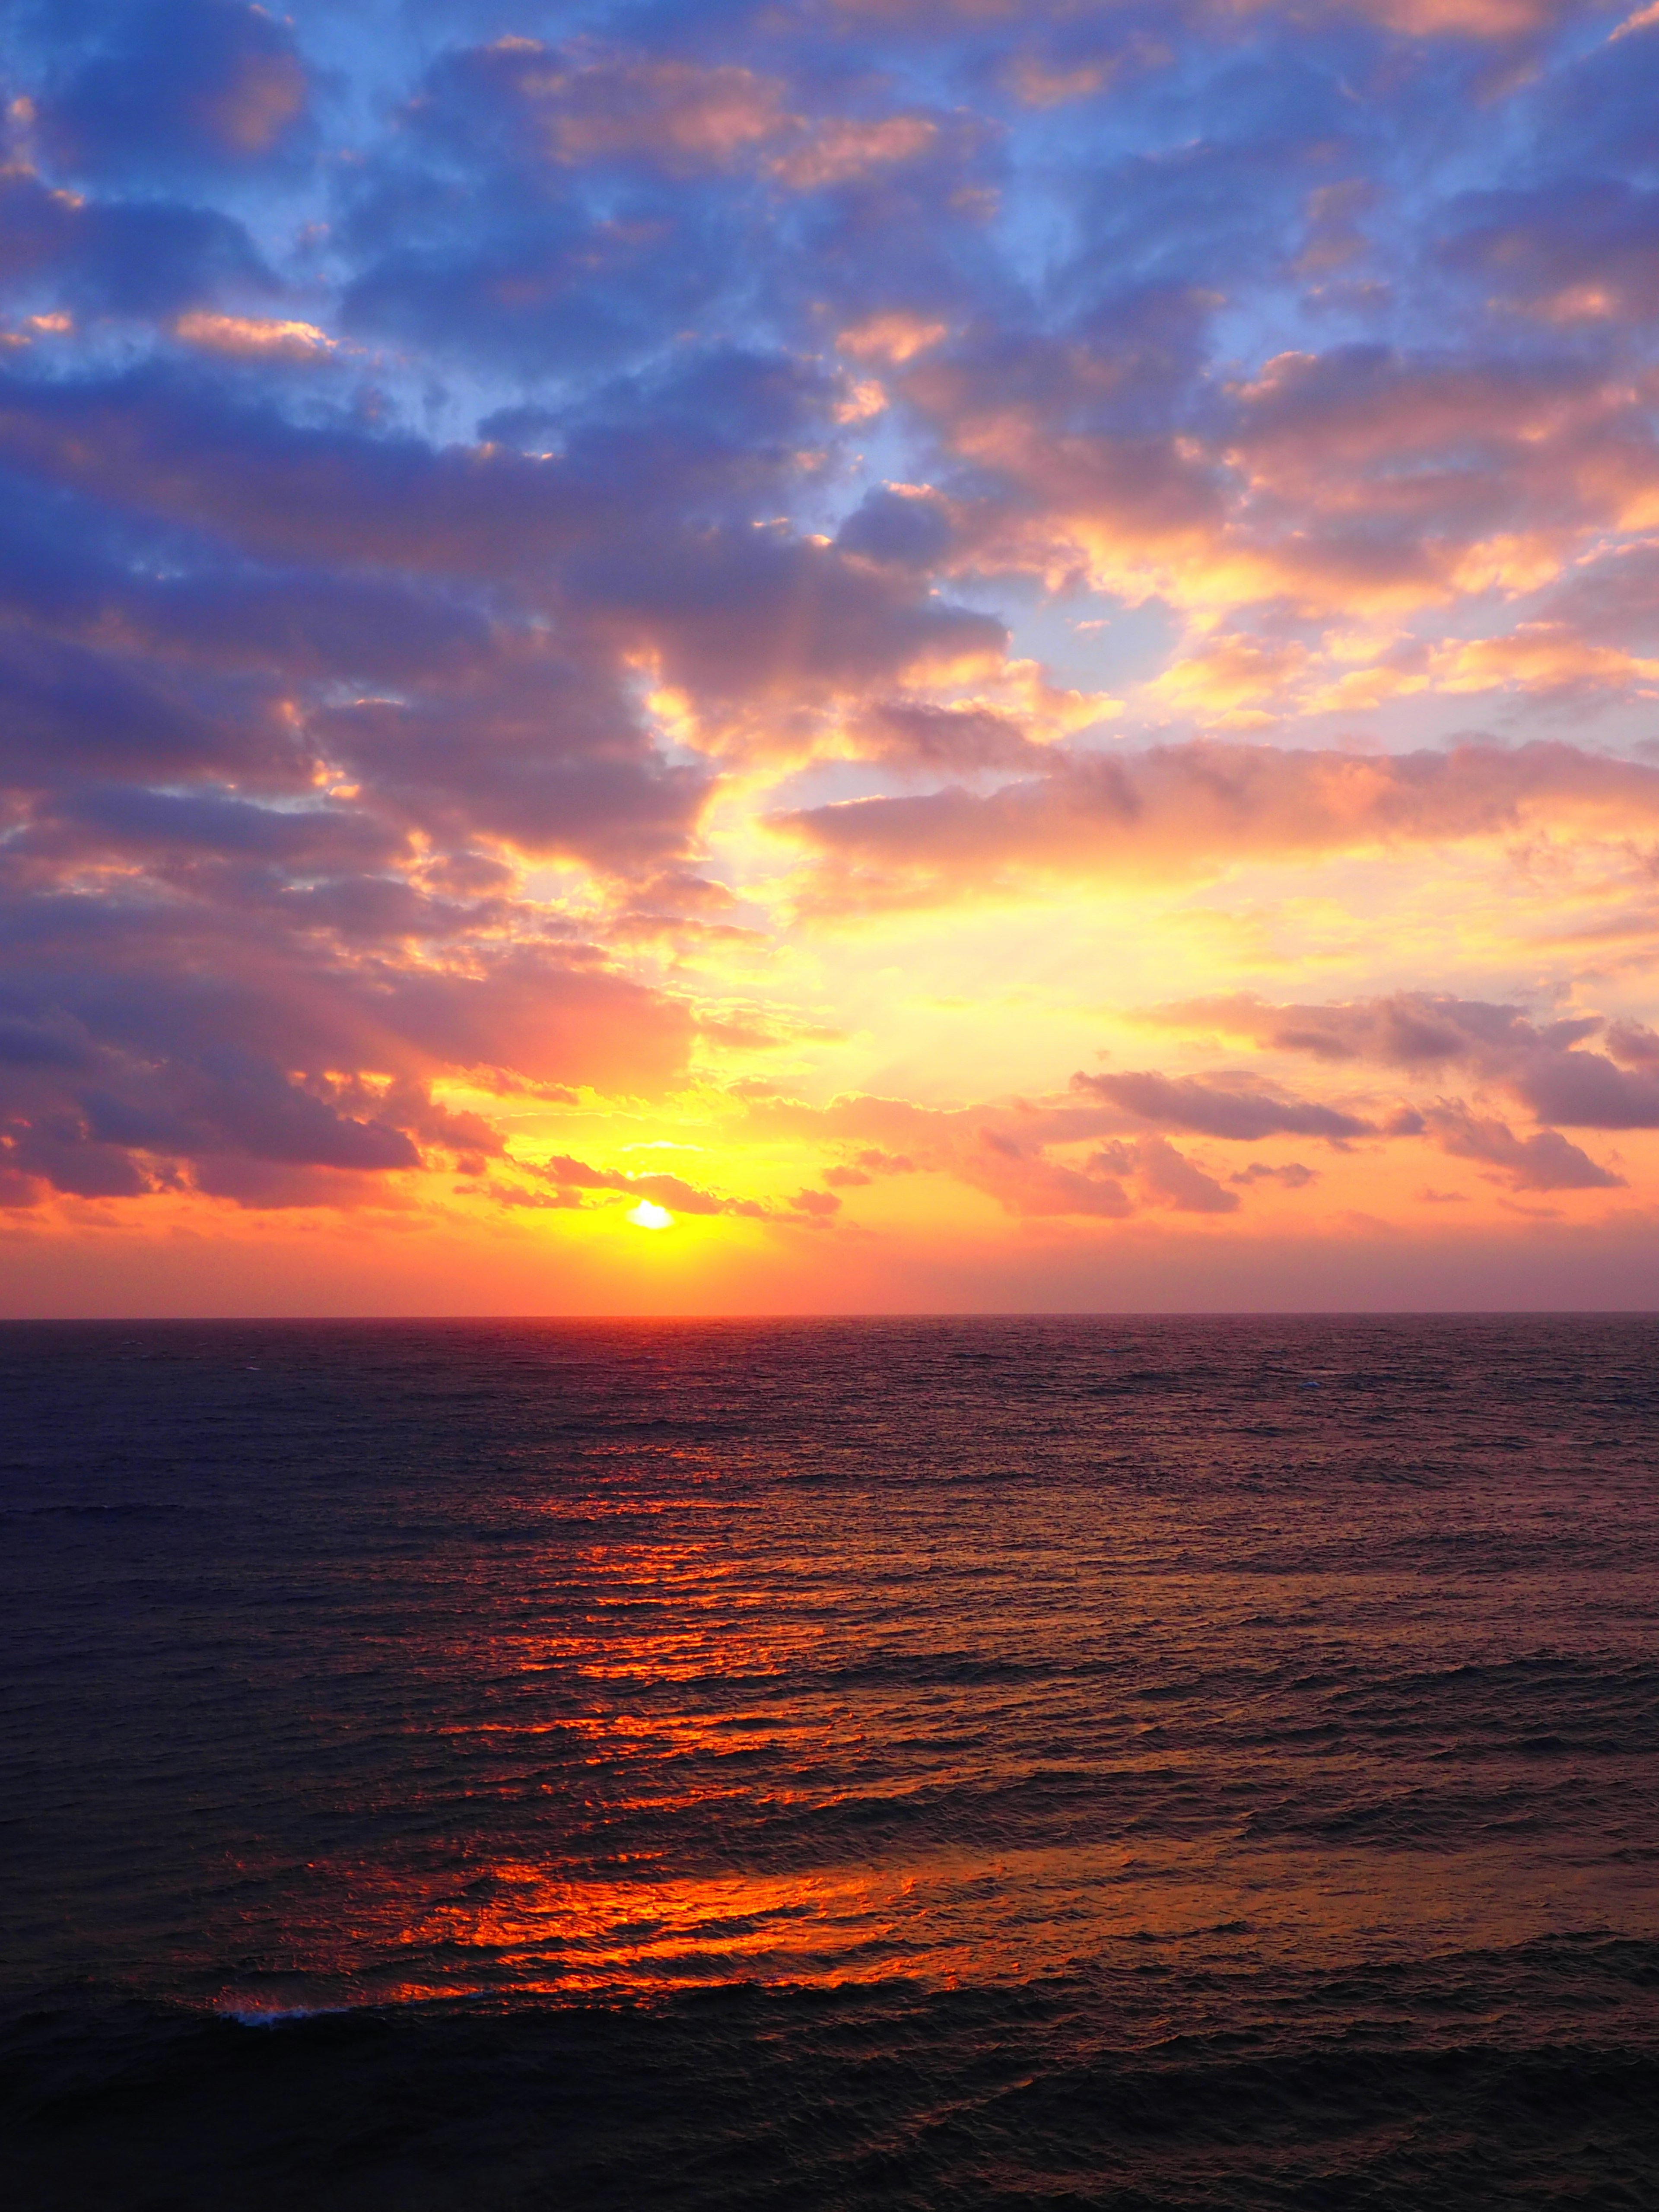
<point x="1403" y="2093"/>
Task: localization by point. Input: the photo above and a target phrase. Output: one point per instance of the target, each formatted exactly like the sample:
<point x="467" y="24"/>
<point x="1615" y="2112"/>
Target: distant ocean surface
<point x="913" y="1764"/>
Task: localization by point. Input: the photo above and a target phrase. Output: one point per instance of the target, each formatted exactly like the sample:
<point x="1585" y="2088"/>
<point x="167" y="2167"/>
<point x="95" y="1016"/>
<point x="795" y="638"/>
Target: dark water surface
<point x="894" y="1763"/>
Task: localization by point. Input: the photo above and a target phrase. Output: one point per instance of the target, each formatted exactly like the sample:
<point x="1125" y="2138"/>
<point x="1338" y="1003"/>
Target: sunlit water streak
<point x="1168" y="1695"/>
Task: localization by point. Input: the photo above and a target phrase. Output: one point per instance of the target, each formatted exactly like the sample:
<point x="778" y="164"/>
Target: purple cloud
<point x="1544" y="1162"/>
<point x="1186" y="1103"/>
<point x="1545" y="1066"/>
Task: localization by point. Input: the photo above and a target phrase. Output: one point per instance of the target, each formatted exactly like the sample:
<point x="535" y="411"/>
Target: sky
<point x="828" y="655"/>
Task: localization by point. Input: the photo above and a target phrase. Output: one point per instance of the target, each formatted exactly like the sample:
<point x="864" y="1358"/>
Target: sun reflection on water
<point x="692" y="1723"/>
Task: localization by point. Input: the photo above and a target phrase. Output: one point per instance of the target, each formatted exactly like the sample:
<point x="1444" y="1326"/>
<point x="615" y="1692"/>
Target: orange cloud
<point x="253" y="337"/>
<point x="1357" y="481"/>
<point x="1544" y="657"/>
<point x="895" y="337"/>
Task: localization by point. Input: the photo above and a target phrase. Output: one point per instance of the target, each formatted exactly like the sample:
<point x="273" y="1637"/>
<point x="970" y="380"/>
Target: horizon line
<point x="864" y="1314"/>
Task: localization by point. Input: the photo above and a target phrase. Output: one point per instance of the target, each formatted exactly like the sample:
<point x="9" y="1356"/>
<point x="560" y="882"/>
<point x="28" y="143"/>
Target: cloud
<point x="583" y="108"/>
<point x="311" y="745"/>
<point x="1185" y="810"/>
<point x="1186" y="1103"/>
<point x="906" y="524"/>
<point x="895" y="337"/>
<point x="1025" y="1180"/>
<point x="1541" y="657"/>
<point x="818" y="1205"/>
<point x="119" y="257"/>
<point x="865" y="1166"/>
<point x="1406" y="1028"/>
<point x="1586" y="1090"/>
<point x="1547" y="1068"/>
<point x="671" y="1191"/>
<point x="1175" y="1181"/>
<point x="1366" y="480"/>
<point x="141" y="1041"/>
<point x="253" y="337"/>
<point x="1477" y="20"/>
<point x="1051" y="1159"/>
<point x="1632" y="1044"/>
<point x="917" y="735"/>
<point x="1583" y="252"/>
<point x="615" y="195"/>
<point x="1545" y="1162"/>
<point x="166" y="86"/>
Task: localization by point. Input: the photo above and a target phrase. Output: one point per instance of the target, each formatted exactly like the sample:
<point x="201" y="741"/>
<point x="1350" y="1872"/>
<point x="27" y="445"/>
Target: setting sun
<point x="647" y="1216"/>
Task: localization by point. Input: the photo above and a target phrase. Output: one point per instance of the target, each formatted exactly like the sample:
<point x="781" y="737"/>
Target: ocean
<point x="943" y="1763"/>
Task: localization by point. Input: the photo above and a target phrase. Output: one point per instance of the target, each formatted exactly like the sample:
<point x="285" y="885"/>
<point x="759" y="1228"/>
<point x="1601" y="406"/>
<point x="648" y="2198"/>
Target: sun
<point x="647" y="1216"/>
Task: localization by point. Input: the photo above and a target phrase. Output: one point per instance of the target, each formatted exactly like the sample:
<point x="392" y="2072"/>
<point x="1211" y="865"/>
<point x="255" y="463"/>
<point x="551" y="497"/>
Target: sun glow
<point x="645" y="1215"/>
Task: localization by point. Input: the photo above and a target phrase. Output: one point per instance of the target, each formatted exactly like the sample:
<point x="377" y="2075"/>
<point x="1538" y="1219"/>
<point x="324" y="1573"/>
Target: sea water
<point x="899" y="1763"/>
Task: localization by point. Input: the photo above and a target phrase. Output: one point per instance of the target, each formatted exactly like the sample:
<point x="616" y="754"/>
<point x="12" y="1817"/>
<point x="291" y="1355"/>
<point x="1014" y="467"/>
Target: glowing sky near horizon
<point x="954" y="654"/>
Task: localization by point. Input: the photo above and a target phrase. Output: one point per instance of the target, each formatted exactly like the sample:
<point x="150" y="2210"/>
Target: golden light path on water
<point x="715" y="1726"/>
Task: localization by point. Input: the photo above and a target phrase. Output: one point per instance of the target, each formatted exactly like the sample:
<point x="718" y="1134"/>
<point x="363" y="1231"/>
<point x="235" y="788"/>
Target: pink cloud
<point x="1185" y="810"/>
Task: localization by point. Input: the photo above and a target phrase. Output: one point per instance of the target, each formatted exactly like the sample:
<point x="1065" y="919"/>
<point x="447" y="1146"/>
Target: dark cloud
<point x="911" y="528"/>
<point x="1582" y="252"/>
<point x="155" y="87"/>
<point x="1545" y="1066"/>
<point x="542" y="756"/>
<point x="1633" y="1044"/>
<point x="143" y="1038"/>
<point x="1586" y="1090"/>
<point x="1186" y="1103"/>
<point x="1595" y="112"/>
<point x="760" y="613"/>
<point x="123" y="818"/>
<point x="73" y="568"/>
<point x="550" y="294"/>
<point x="1293" y="1176"/>
<point x="100" y="257"/>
